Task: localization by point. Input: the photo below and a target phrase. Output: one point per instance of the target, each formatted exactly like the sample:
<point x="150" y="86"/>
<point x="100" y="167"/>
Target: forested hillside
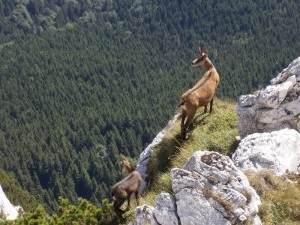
<point x="83" y="81"/>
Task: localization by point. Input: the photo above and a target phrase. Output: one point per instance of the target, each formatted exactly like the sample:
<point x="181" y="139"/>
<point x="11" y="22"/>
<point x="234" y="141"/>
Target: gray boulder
<point x="163" y="213"/>
<point x="278" y="151"/>
<point x="145" y="156"/>
<point x="208" y="190"/>
<point x="275" y="107"/>
<point x="7" y="210"/>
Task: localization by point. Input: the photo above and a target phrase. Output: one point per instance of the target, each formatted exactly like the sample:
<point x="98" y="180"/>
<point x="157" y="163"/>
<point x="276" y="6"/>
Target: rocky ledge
<point x="275" y="107"/>
<point x="278" y="151"/>
<point x="209" y="190"/>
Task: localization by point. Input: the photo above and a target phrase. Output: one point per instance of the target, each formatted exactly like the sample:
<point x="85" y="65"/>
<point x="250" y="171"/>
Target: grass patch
<point x="215" y="132"/>
<point x="280" y="198"/>
<point x="225" y="203"/>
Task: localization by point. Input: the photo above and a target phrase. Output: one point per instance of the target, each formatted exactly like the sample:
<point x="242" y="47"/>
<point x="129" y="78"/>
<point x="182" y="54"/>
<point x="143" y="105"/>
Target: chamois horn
<point x="201" y="50"/>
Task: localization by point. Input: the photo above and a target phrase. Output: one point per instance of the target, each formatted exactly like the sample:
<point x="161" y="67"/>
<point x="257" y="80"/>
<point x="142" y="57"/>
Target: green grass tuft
<point x="214" y="132"/>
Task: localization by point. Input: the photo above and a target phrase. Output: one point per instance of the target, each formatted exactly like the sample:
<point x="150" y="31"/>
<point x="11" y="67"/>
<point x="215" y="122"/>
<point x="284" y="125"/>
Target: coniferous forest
<point x="84" y="81"/>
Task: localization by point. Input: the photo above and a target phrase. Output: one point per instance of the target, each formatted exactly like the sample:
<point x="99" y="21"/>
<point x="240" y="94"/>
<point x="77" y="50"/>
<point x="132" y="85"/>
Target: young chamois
<point x="122" y="190"/>
<point x="201" y="94"/>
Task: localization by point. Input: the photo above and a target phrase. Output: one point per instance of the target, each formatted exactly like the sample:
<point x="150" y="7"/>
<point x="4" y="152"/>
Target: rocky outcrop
<point x="275" y="107"/>
<point x="163" y="213"/>
<point x="7" y="210"/>
<point x="209" y="189"/>
<point x="278" y="151"/>
<point x="145" y="156"/>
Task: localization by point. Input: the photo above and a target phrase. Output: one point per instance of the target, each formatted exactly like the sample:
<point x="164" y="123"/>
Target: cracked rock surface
<point x="208" y="190"/>
<point x="275" y="107"/>
<point x="278" y="151"/>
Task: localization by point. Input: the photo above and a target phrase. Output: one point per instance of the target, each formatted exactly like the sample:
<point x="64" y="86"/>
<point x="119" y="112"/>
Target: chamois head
<point x="202" y="56"/>
<point x="125" y="165"/>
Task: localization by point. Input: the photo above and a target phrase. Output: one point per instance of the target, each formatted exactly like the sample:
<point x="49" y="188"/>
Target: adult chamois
<point x="201" y="94"/>
<point x="122" y="190"/>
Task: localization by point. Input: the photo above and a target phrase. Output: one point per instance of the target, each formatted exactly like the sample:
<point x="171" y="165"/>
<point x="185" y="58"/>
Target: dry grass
<point x="227" y="205"/>
<point x="280" y="198"/>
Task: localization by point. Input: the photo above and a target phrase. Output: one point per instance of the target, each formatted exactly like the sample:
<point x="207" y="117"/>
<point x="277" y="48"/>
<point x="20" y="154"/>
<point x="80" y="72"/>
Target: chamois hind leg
<point x="205" y="109"/>
<point x="117" y="204"/>
<point x="211" y="105"/>
<point x="137" y="197"/>
<point x="183" y="129"/>
<point x="128" y="202"/>
<point x="190" y="118"/>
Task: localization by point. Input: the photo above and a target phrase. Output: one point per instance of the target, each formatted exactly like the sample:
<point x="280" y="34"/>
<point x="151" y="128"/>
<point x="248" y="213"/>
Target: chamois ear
<point x="200" y="51"/>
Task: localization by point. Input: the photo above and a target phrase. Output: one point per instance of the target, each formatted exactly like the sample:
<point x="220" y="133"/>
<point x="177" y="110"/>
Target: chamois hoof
<point x="184" y="137"/>
<point x="121" y="218"/>
<point x="120" y="213"/>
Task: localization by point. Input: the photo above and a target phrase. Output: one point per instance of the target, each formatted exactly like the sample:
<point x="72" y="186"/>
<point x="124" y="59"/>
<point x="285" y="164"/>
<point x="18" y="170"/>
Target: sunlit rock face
<point x="275" y="107"/>
<point x="146" y="155"/>
<point x="278" y="151"/>
<point x="7" y="210"/>
<point x="208" y="190"/>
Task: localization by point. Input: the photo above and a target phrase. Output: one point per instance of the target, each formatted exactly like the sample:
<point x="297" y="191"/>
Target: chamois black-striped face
<point x="201" y="59"/>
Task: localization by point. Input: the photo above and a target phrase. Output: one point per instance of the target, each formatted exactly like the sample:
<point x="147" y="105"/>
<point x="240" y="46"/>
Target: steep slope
<point x="260" y="155"/>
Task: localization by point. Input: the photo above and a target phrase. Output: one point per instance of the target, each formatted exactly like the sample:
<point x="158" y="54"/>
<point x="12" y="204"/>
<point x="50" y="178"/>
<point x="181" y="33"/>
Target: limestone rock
<point x="275" y="107"/>
<point x="163" y="214"/>
<point x="7" y="210"/>
<point x="278" y="151"/>
<point x="273" y="95"/>
<point x="223" y="191"/>
<point x="208" y="190"/>
<point x="292" y="69"/>
<point x="165" y="210"/>
<point x="144" y="215"/>
<point x="145" y="156"/>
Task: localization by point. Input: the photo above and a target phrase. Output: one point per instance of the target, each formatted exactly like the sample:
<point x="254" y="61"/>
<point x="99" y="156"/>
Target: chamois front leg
<point x="128" y="202"/>
<point x="183" y="129"/>
<point x="137" y="197"/>
<point x="183" y="132"/>
<point x="211" y="105"/>
<point x="205" y="109"/>
<point x="190" y="118"/>
<point x="116" y="205"/>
